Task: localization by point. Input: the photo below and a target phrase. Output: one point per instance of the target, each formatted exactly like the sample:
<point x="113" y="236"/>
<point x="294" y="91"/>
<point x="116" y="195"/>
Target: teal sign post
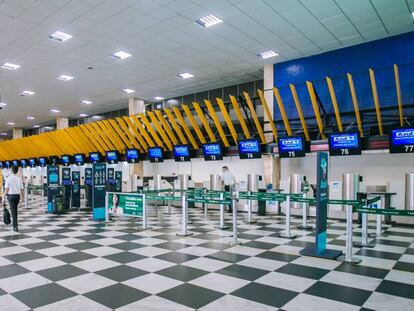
<point x="320" y="249"/>
<point x="98" y="191"/>
<point x="76" y="189"/>
<point x="53" y="186"/>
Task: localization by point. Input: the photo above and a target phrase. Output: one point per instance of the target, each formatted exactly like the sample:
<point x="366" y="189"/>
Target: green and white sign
<point x="125" y="204"/>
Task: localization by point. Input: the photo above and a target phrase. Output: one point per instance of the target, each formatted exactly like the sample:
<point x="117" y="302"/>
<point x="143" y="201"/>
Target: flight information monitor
<point x="79" y="159"/>
<point x="112" y="156"/>
<point x="15" y="163"/>
<point x="32" y="162"/>
<point x="343" y="144"/>
<point x="65" y="160"/>
<point x="42" y="162"/>
<point x="402" y="140"/>
<point x="212" y="152"/>
<point x="156" y="154"/>
<point x="1" y="164"/>
<point x="94" y="157"/>
<point x="23" y="163"/>
<point x="249" y="149"/>
<point x="132" y="155"/>
<point x="181" y="153"/>
<point x="7" y="164"/>
<point x="291" y="147"/>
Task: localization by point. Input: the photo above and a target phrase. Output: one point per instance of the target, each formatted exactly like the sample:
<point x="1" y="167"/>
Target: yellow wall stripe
<point x="217" y="122"/>
<point x="268" y="114"/>
<point x="282" y="111"/>
<point x="227" y="119"/>
<point x="239" y="116"/>
<point x="312" y="95"/>
<point x="376" y="101"/>
<point x="334" y="103"/>
<point x="194" y="124"/>
<point x="185" y="127"/>
<point x="398" y="89"/>
<point x="355" y="102"/>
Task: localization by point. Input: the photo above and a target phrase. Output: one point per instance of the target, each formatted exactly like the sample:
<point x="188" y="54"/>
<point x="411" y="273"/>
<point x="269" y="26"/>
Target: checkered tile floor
<point x="67" y="262"/>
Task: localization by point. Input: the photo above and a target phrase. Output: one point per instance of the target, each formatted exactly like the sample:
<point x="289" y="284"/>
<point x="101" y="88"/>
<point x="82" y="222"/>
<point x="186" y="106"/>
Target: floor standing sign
<point x="88" y="186"/>
<point x="98" y="190"/>
<point x="320" y="249"/>
<point x="118" y="179"/>
<point x="76" y="189"/>
<point x="53" y="186"/>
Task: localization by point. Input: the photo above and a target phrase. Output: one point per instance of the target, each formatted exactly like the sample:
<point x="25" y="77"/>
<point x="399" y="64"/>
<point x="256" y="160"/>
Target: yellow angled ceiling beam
<point x="87" y="130"/>
<point x="94" y="131"/>
<point x="194" y="124"/>
<point x="175" y="126"/>
<point x="185" y="127"/>
<point x="149" y="128"/>
<point x="118" y="141"/>
<point x="240" y="117"/>
<point x="142" y="130"/>
<point x="334" y="103"/>
<point x="355" y="102"/>
<point x="119" y="134"/>
<point x="398" y="89"/>
<point x="255" y="118"/>
<point x="312" y="95"/>
<point x="204" y="121"/>
<point x="133" y="129"/>
<point x="158" y="126"/>
<point x="268" y="114"/>
<point x="101" y="137"/>
<point x="282" y="111"/>
<point x="227" y="118"/>
<point x="300" y="112"/>
<point x="217" y="123"/>
<point x="376" y="101"/>
<point x="128" y="133"/>
<point x="107" y="136"/>
<point x="166" y="127"/>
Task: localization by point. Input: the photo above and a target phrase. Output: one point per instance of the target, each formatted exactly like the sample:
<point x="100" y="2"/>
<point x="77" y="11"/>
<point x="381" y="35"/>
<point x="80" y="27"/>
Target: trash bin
<point x="261" y="205"/>
<point x="58" y="206"/>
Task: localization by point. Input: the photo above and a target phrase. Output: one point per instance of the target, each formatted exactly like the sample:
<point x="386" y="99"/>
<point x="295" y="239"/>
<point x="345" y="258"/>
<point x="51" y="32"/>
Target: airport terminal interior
<point x="212" y="155"/>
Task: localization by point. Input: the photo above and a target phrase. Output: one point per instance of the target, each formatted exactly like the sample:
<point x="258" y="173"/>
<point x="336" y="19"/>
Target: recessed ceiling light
<point x="60" y="36"/>
<point x="208" y="21"/>
<point x="128" y="91"/>
<point x="65" y="78"/>
<point x="54" y="110"/>
<point x="10" y="66"/>
<point x="3" y="134"/>
<point x="36" y="126"/>
<point x="159" y="98"/>
<point x="268" y="54"/>
<point x="121" y="55"/>
<point x="30" y="118"/>
<point x="3" y="104"/>
<point x="27" y="93"/>
<point x="97" y="117"/>
<point x="11" y="123"/>
<point x="86" y="102"/>
<point x="185" y="75"/>
<point x="82" y="115"/>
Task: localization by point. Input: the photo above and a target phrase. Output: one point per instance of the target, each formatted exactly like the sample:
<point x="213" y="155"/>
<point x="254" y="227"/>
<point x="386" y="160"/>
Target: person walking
<point x="13" y="192"/>
<point x="228" y="180"/>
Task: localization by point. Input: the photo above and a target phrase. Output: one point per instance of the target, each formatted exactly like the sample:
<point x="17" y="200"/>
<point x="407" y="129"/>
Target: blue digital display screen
<point x="7" y="164"/>
<point x="65" y="159"/>
<point x="212" y="149"/>
<point x="23" y="163"/>
<point x="32" y="162"/>
<point x="42" y="161"/>
<point x="79" y="158"/>
<point x="249" y="146"/>
<point x="181" y="151"/>
<point x="14" y="162"/>
<point x="1" y="164"/>
<point x="402" y="136"/>
<point x="155" y="152"/>
<point x="111" y="156"/>
<point x="345" y="140"/>
<point x="290" y="144"/>
<point x="94" y="157"/>
<point x="132" y="154"/>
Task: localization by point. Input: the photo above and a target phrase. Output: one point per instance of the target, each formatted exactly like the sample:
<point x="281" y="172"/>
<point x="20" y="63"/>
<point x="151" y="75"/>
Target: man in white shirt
<point x="14" y="191"/>
<point x="228" y="180"/>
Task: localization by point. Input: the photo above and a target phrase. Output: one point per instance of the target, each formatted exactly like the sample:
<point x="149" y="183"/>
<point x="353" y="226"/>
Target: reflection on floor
<point x="67" y="262"/>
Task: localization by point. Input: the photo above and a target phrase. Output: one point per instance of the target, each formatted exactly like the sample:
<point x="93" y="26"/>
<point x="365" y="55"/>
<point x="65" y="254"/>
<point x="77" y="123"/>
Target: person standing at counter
<point x="228" y="180"/>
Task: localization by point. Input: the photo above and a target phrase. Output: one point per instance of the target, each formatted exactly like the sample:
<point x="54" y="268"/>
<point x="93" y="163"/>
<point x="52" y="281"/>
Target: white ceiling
<point x="164" y="40"/>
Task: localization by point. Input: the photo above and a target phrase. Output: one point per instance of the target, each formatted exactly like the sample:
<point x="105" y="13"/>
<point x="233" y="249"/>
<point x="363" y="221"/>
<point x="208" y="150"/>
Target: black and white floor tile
<point x="68" y="262"/>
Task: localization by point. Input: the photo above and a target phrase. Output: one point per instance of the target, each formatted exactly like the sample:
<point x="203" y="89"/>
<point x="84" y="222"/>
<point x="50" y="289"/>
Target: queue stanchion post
<point x="106" y="206"/>
<point x="378" y="230"/>
<point x="145" y="213"/>
<point x="249" y="210"/>
<point x="234" y="202"/>
<point x="364" y="231"/>
<point x="221" y="225"/>
<point x="184" y="215"/>
<point x="169" y="212"/>
<point x="287" y="233"/>
<point x="304" y="225"/>
<point x="348" y="256"/>
<point x="26" y="201"/>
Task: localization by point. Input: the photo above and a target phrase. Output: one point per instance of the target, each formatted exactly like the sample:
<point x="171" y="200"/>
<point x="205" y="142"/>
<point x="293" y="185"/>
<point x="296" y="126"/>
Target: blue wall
<point x="379" y="55"/>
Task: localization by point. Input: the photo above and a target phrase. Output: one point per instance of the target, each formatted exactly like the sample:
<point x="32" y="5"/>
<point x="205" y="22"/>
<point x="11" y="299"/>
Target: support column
<point x="136" y="106"/>
<point x="62" y="123"/>
<point x="17" y="133"/>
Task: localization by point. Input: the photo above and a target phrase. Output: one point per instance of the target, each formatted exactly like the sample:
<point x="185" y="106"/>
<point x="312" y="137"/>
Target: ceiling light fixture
<point x="121" y="55"/>
<point x="267" y="54"/>
<point x="185" y="75"/>
<point x="10" y="66"/>
<point x="27" y="93"/>
<point x="65" y="78"/>
<point x="54" y="111"/>
<point x="30" y="118"/>
<point x="3" y="104"/>
<point x="36" y="126"/>
<point x="86" y="102"/>
<point x="60" y="36"/>
<point x="159" y="98"/>
<point x="208" y="21"/>
<point x="128" y="91"/>
<point x="11" y="123"/>
<point x="83" y="115"/>
<point x="3" y="134"/>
